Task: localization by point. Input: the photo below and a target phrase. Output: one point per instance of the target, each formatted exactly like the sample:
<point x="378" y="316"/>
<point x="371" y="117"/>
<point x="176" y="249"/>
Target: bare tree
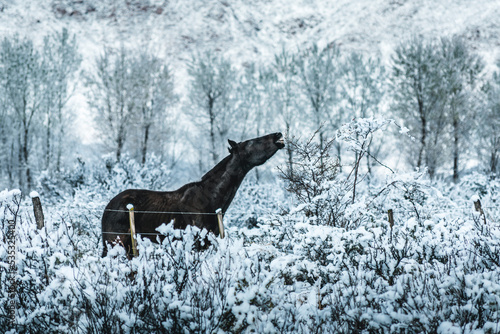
<point x="22" y="76"/>
<point x="318" y="74"/>
<point x="212" y="83"/>
<point x="361" y="91"/>
<point x="252" y="97"/>
<point x="112" y="98"/>
<point x="154" y="94"/>
<point x="61" y="60"/>
<point x="489" y="125"/>
<point x="6" y="151"/>
<point x="282" y="86"/>
<point x="253" y="104"/>
<point x="461" y="71"/>
<point x="418" y="98"/>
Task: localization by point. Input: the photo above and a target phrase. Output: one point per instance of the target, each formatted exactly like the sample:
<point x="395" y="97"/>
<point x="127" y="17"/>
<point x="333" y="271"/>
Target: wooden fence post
<point x="37" y="210"/>
<point x="130" y="208"/>
<point x="390" y="215"/>
<point x="221" y="224"/>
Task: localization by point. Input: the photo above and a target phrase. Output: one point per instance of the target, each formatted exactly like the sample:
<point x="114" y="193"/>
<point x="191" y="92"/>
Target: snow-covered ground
<point x="289" y="264"/>
<point x="437" y="269"/>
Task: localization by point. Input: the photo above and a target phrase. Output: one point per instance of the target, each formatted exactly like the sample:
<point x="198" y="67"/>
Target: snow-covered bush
<point x="255" y="202"/>
<point x="128" y="173"/>
<point x="313" y="180"/>
<point x="326" y="194"/>
<point x="103" y="180"/>
<point x="436" y="269"/>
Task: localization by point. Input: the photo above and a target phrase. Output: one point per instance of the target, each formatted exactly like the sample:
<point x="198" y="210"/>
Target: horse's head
<point x="255" y="152"/>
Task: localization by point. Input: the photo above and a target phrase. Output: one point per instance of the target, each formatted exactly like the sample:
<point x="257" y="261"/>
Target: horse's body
<point x="215" y="190"/>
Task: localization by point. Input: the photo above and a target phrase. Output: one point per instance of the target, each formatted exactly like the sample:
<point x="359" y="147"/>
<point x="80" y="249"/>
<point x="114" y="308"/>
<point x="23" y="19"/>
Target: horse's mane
<point x="221" y="165"/>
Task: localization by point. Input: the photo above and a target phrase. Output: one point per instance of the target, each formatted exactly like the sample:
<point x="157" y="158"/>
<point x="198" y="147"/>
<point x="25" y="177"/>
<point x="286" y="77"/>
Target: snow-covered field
<point x="280" y="269"/>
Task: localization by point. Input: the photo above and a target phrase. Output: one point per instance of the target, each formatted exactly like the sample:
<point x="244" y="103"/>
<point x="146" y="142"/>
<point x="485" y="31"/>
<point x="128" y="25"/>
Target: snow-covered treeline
<point x="437" y="90"/>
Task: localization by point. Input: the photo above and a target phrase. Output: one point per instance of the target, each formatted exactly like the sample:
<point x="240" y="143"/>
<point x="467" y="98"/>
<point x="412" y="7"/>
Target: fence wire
<point x="444" y="210"/>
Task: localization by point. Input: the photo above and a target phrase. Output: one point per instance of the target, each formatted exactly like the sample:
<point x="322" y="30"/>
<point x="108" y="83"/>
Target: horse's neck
<point x="223" y="181"/>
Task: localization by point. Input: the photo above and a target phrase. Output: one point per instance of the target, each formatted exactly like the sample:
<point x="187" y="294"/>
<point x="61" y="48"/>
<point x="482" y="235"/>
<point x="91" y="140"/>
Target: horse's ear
<point x="232" y="144"/>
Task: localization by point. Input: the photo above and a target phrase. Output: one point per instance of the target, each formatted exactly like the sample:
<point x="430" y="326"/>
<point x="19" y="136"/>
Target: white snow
<point x="437" y="267"/>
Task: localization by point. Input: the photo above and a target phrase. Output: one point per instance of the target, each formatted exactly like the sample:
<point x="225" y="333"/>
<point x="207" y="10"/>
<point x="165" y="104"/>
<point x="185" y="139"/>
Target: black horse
<point x="215" y="190"/>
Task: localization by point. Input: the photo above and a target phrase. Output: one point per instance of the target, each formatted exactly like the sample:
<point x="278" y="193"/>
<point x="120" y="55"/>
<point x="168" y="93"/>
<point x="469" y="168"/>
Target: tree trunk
<point x="289" y="151"/>
<point x="60" y="138"/>
<point x="25" y="153"/>
<point x="119" y="143"/>
<point x="339" y="151"/>
<point x="455" y="150"/>
<point x="20" y="166"/>
<point x="48" y="141"/>
<point x="423" y="133"/>
<point x="59" y="154"/>
<point x="11" y="166"/>
<point x="212" y="128"/>
<point x="368" y="163"/>
<point x="494" y="161"/>
<point x="145" y="143"/>
<point x="356" y="167"/>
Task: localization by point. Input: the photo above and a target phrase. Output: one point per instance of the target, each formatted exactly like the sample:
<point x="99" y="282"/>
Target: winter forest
<point x="380" y="215"/>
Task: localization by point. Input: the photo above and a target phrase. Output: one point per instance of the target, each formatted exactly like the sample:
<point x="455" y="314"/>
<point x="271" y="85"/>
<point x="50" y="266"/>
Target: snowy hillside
<point x="248" y="31"/>
<point x="257" y="29"/>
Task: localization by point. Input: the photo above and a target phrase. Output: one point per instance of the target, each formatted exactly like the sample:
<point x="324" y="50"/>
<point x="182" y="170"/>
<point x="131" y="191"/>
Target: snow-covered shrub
<point x="326" y="194"/>
<point x="154" y="174"/>
<point x="255" y="202"/>
<point x="313" y="180"/>
<point x="485" y="187"/>
<point x="436" y="269"/>
<point x="412" y="277"/>
<point x="10" y="202"/>
<point x="103" y="181"/>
